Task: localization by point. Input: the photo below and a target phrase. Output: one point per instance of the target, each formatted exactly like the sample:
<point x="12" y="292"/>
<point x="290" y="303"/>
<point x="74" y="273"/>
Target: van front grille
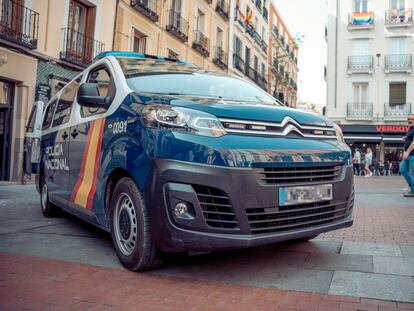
<point x="298" y="174"/>
<point x="286" y="218"/>
<point x="216" y="206"/>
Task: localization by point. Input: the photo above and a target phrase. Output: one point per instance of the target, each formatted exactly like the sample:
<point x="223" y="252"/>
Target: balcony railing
<point x="220" y="58"/>
<point x="259" y="5"/>
<point x="201" y="43"/>
<point x="148" y="8"/>
<point x="265" y="14"/>
<point x="177" y="26"/>
<point x="239" y="63"/>
<point x="19" y="24"/>
<point x="399" y="17"/>
<point x="223" y="9"/>
<point x="399" y="63"/>
<point x="259" y="41"/>
<point x="360" y="111"/>
<point x="397" y="111"/>
<point x="361" y="64"/>
<point x="252" y="74"/>
<point x="361" y="20"/>
<point x="78" y="48"/>
<point x="250" y="30"/>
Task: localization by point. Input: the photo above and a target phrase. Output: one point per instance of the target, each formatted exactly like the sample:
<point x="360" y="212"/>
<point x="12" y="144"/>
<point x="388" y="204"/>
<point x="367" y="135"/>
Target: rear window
<point x="152" y="76"/>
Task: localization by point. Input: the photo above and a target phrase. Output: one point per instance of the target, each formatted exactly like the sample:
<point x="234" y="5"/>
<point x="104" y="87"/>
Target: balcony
<point x="239" y="63"/>
<point x="201" y="43"/>
<point x="397" y="112"/>
<point x="177" y="26"/>
<point x="399" y="63"/>
<point x="250" y="30"/>
<point x="78" y="48"/>
<point x="19" y="24"/>
<point x="148" y="8"/>
<point x="398" y="18"/>
<point x="220" y="58"/>
<point x="259" y="5"/>
<point x="223" y="9"/>
<point x="359" y="111"/>
<point x="259" y="41"/>
<point x="361" y="64"/>
<point x="361" y="20"/>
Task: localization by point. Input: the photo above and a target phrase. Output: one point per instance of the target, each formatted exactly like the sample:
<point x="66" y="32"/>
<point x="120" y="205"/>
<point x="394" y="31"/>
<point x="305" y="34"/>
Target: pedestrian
<point x="407" y="165"/>
<point x="357" y="161"/>
<point x="368" y="162"/>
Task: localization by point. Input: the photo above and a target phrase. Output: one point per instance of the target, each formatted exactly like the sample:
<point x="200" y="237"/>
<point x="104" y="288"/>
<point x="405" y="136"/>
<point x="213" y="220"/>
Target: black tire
<point x="48" y="208"/>
<point x="130" y="228"/>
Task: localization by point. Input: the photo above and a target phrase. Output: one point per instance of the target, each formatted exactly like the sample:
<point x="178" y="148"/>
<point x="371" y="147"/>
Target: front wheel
<point x="130" y="228"/>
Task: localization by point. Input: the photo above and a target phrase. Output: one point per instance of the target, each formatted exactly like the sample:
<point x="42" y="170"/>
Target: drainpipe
<point x="115" y="22"/>
<point x="338" y="12"/>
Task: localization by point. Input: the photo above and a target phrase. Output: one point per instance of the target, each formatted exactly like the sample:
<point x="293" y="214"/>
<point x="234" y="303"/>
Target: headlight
<point x="181" y="119"/>
<point x="338" y="133"/>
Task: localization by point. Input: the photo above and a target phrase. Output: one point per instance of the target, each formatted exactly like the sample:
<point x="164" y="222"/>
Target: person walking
<point x="357" y="161"/>
<point x="368" y="162"/>
<point x="407" y="165"/>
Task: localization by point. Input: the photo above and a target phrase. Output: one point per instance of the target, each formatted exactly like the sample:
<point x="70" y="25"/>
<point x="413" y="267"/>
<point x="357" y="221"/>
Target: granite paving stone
<point x="394" y="265"/>
<point x="345" y="262"/>
<point x="370" y="285"/>
<point x="373" y="249"/>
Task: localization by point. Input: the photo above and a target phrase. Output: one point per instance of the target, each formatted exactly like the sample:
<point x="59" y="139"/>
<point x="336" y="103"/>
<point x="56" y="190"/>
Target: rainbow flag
<point x="362" y="18"/>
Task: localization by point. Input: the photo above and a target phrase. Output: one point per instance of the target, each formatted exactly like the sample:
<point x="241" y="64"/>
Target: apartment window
<point x="397" y="4"/>
<point x="360" y="6"/>
<point x="219" y="37"/>
<point x="360" y="92"/>
<point x="139" y="41"/>
<point x="172" y="54"/>
<point x="256" y="63"/>
<point x="200" y="22"/>
<point x="81" y="22"/>
<point x="237" y="46"/>
<point x="398" y="93"/>
<point x="360" y="47"/>
<point x="247" y="56"/>
<point x="398" y="45"/>
<point x="263" y="73"/>
<point x="176" y="6"/>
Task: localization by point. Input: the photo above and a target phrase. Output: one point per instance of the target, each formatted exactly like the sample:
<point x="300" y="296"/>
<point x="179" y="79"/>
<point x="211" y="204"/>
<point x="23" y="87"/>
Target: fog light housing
<point x="180" y="209"/>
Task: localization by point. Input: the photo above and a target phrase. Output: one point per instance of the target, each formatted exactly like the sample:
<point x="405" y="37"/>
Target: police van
<point x="169" y="157"/>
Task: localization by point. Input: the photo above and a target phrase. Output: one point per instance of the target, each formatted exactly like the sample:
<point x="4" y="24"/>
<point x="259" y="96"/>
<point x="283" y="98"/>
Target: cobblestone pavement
<point x="65" y="264"/>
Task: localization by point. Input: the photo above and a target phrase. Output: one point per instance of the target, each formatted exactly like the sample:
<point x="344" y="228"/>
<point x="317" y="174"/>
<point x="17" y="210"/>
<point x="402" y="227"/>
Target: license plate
<point x="304" y="194"/>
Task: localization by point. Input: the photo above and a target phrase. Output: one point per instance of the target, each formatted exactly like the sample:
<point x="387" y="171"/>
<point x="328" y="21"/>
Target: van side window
<point x="102" y="77"/>
<point x="31" y="121"/>
<point x="64" y="105"/>
<point x="47" y="121"/>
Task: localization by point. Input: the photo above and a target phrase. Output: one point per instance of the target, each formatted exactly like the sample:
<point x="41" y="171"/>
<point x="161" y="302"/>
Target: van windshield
<point x="152" y="76"/>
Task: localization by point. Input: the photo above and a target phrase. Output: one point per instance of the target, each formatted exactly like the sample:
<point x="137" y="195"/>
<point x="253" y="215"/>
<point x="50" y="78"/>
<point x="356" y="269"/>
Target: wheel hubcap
<point x="125" y="224"/>
<point x="44" y="196"/>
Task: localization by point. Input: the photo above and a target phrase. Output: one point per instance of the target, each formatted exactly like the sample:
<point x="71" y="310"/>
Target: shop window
<point x="139" y="41"/>
<point x="398" y="93"/>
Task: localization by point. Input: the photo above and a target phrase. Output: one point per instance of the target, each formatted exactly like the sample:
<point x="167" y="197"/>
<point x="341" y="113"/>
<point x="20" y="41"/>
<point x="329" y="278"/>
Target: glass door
<point x="77" y="28"/>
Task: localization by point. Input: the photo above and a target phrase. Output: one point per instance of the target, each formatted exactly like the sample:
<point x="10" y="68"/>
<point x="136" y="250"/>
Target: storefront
<point x="386" y="141"/>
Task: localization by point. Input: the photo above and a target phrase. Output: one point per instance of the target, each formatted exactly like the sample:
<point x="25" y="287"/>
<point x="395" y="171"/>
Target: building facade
<point x="43" y="44"/>
<point x="370" y="87"/>
<point x="283" y="60"/>
<point x="196" y="31"/>
<point x="248" y="40"/>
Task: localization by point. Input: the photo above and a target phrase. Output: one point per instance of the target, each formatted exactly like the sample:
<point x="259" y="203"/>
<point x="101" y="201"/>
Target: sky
<point x="308" y="17"/>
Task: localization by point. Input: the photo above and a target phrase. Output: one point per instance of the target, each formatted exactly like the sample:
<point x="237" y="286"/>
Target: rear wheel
<point x="130" y="229"/>
<point x="48" y="208"/>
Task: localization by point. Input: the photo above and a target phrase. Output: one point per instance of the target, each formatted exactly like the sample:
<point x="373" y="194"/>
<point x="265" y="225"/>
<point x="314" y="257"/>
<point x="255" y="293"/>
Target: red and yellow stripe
<point x="85" y="187"/>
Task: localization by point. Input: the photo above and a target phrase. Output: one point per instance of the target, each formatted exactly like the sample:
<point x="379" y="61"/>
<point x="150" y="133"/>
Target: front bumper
<point x="248" y="210"/>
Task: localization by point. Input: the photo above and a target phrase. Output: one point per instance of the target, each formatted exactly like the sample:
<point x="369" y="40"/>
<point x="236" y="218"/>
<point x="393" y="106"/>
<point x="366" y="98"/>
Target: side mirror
<point x="88" y="96"/>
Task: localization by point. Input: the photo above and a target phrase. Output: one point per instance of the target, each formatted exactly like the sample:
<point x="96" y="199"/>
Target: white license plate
<point x="304" y="194"/>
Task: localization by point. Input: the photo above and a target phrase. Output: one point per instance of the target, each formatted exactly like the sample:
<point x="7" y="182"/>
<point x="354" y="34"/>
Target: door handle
<point x="65" y="135"/>
<point x="74" y="133"/>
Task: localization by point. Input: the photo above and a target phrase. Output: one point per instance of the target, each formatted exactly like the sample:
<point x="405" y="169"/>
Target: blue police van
<point x="169" y="157"/>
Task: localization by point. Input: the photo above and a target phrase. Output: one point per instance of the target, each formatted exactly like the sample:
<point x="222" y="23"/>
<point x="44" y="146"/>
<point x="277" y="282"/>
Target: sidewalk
<point x="66" y="264"/>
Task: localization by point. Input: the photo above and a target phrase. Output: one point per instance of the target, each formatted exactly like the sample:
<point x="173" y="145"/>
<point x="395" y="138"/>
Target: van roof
<point x="137" y="55"/>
